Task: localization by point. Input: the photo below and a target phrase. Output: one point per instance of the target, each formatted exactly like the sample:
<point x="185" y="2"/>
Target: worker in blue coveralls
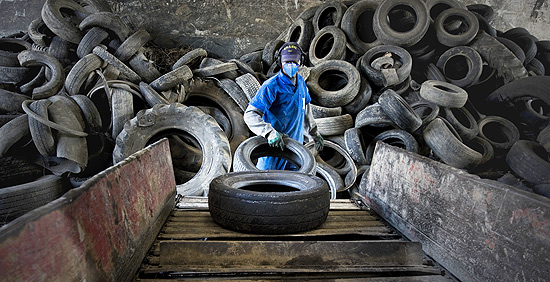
<point x="281" y="108"/>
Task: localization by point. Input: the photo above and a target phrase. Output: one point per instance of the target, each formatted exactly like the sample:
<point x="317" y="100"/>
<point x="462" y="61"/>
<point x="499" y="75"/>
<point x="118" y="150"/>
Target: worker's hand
<point x="319" y="142"/>
<point x="275" y="139"/>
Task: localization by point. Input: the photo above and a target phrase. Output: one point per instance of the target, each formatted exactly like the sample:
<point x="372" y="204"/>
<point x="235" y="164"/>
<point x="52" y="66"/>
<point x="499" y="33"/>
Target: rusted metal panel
<point x="480" y="230"/>
<point x="290" y="254"/>
<point x="98" y="232"/>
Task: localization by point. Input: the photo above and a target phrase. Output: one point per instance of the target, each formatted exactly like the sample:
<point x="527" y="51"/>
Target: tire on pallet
<point x="188" y="121"/>
<point x="269" y="202"/>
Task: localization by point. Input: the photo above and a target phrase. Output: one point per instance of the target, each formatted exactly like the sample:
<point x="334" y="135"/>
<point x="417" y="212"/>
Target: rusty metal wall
<point x="230" y="28"/>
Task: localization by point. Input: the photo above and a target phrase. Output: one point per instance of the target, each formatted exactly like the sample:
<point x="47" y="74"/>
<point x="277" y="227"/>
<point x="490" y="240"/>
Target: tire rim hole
<point x="395" y="142"/>
<point x="363" y="27"/>
<point x="326" y="42"/>
<point x="444" y="88"/>
<point x="456" y="25"/>
<point x="269" y="188"/>
<point x="12" y="47"/>
<point x="496" y="132"/>
<point x="539" y="106"/>
<point x="402" y="18"/>
<point x="327" y="17"/>
<point x="296" y="33"/>
<point x="333" y="80"/>
<point x="461" y="117"/>
<point x="457" y="67"/>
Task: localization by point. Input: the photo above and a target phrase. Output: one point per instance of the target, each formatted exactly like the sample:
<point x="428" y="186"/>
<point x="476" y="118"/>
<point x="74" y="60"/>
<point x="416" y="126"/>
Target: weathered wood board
<point x="479" y="230"/>
<point x="99" y="231"/>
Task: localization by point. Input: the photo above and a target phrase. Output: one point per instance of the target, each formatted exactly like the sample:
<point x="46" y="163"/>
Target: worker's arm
<point x="309" y="122"/>
<point x="254" y="121"/>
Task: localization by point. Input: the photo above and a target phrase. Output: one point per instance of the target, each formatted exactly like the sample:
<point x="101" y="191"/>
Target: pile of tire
<point x="432" y="77"/>
<point x="78" y="94"/>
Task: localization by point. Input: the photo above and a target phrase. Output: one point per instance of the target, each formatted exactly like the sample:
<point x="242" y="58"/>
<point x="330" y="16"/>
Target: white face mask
<point x="290" y="68"/>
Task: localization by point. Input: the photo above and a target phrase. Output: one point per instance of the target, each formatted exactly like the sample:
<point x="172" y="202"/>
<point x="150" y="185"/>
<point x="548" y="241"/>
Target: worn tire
<point x="500" y="132"/>
<point x="334" y="83"/>
<point x="355" y="145"/>
<point x="529" y="160"/>
<point x="331" y="176"/>
<point x="461" y="66"/>
<point x="140" y="130"/>
<point x="356" y="25"/>
<point x="454" y="38"/>
<point x="447" y="147"/>
<point x="402" y="64"/>
<point x="463" y="122"/>
<point x="399" y="111"/>
<point x="255" y="147"/>
<point x="443" y="94"/>
<point x="269" y="202"/>
<point x="336" y="125"/>
<point x="388" y="35"/>
<point x="54" y="83"/>
<point x="20" y="199"/>
<point x="395" y="137"/>
<point x="61" y="26"/>
<point x="328" y="44"/>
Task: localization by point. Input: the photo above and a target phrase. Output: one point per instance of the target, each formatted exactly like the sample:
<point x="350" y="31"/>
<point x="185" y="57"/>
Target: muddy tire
<point x="108" y="21"/>
<point x="125" y="71"/>
<point x="61" y="26"/>
<point x="191" y="58"/>
<point x="94" y="37"/>
<point x="355" y="145"/>
<point x="443" y="94"/>
<point x="254" y="147"/>
<point x="269" y="202"/>
<point x="10" y="102"/>
<point x="141" y="130"/>
<point x="79" y="73"/>
<point x="249" y="85"/>
<point x="132" y="44"/>
<point x="331" y="176"/>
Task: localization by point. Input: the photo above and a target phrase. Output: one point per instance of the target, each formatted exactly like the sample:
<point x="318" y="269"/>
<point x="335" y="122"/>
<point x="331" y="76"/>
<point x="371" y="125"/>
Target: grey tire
<point x="388" y="35"/>
<point x="443" y="94"/>
<point x="529" y="160"/>
<point x="334" y="83"/>
<point x="399" y="111"/>
<point x="328" y="44"/>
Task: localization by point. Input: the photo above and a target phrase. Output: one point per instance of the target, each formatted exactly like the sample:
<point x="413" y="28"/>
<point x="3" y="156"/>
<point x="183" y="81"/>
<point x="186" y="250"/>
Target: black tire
<point x="500" y="132"/>
<point x="508" y="66"/>
<point x="336" y="125"/>
<point x="108" y="21"/>
<point x="434" y="73"/>
<point x="436" y="7"/>
<point x="535" y="67"/>
<point x="269" y="202"/>
<point x="20" y="199"/>
<point x="151" y="96"/>
<point x="443" y="94"/>
<point x="201" y="92"/>
<point x="399" y="63"/>
<point x="534" y="111"/>
<point x="132" y="44"/>
<point x="355" y="145"/>
<point x="544" y="138"/>
<point x="80" y="71"/>
<point x="234" y="91"/>
<point x="13" y="131"/>
<point x="39" y="32"/>
<point x="141" y="130"/>
<point x="10" y="102"/>
<point x="387" y="33"/>
<point x="399" y="111"/>
<point x="529" y="160"/>
<point x="301" y="32"/>
<point x="125" y="71"/>
<point x="255" y="147"/>
<point x="328" y="14"/>
<point x="42" y="134"/>
<point x="427" y="111"/>
<point x="361" y="100"/>
<point x="542" y="189"/>
<point x="89" y="112"/>
<point x="10" y="48"/>
<point x="334" y="83"/>
<point x="18" y="170"/>
<point x="482" y="146"/>
<point x="321" y="112"/>
<point x="356" y="24"/>
<point x="373" y="115"/>
<point x="14" y="75"/>
<point x="340" y="160"/>
<point x="94" y="37"/>
<point x="512" y="46"/>
<point x="191" y="58"/>
<point x="61" y="26"/>
<point x="447" y="147"/>
<point x="463" y="122"/>
<point x="55" y="82"/>
<point x="328" y="44"/>
<point x="268" y="53"/>
<point x="460" y="36"/>
<point x="144" y="67"/>
<point x="533" y="86"/>
<point x="249" y="85"/>
<point x="395" y="137"/>
<point x="461" y="66"/>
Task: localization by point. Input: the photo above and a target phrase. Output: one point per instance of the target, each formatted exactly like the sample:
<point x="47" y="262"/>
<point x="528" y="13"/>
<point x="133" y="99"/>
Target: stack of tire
<point x="432" y="77"/>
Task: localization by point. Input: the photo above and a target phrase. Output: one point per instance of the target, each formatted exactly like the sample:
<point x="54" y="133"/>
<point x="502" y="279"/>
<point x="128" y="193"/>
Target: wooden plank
<point x="419" y="278"/>
<point x="201" y="203"/>
<point x="99" y="231"/>
<point x="479" y="230"/>
<point x="289" y="254"/>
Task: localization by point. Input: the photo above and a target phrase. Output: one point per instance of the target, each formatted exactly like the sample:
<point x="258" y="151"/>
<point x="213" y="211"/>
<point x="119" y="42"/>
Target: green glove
<point x="275" y="139"/>
<point x="319" y="142"/>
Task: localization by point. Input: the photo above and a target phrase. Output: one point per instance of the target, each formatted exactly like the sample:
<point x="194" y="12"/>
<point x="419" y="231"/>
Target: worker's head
<point x="291" y="58"/>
